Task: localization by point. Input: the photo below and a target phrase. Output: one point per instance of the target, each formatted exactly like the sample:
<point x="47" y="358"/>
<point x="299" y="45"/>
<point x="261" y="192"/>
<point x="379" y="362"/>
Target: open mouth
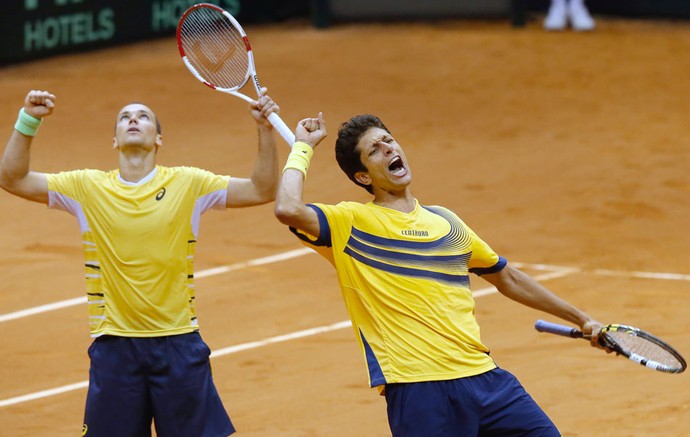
<point x="396" y="166"/>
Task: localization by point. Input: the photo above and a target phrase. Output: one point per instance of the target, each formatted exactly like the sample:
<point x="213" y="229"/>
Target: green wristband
<point x="27" y="124"/>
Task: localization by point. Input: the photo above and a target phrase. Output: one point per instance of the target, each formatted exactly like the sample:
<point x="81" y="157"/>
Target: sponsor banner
<point x="34" y="29"/>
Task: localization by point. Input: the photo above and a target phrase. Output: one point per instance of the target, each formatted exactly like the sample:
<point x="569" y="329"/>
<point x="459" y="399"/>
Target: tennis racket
<point x="633" y="343"/>
<point x="216" y="50"/>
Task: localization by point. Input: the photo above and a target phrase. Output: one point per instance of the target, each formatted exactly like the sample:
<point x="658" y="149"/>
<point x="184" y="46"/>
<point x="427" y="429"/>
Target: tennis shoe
<point x="557" y="16"/>
<point x="580" y="18"/>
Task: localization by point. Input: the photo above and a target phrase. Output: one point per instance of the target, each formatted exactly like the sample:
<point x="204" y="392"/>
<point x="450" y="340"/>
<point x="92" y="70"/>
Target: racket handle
<point x="282" y="128"/>
<point x="555" y="328"/>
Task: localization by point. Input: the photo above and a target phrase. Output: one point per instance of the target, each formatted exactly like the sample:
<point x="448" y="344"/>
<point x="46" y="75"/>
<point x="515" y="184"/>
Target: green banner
<point x="38" y="28"/>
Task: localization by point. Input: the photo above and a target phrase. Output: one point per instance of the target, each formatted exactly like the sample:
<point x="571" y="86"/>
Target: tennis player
<point x="139" y="226"/>
<point x="403" y="270"/>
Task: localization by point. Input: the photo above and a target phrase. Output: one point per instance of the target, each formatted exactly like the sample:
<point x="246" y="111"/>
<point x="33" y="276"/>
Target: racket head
<point x="214" y="47"/>
<point x="642" y="347"/>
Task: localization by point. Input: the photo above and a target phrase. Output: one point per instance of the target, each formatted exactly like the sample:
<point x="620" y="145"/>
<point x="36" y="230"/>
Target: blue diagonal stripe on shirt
<point x="440" y="261"/>
<point x="401" y="244"/>
<point x="463" y="280"/>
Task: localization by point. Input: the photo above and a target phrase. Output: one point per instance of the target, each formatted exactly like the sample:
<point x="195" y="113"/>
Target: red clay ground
<point x="561" y="150"/>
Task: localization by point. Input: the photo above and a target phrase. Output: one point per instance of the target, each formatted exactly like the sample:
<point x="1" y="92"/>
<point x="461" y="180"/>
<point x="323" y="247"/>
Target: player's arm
<point x="16" y="176"/>
<point x="522" y="288"/>
<point x="261" y="186"/>
<point x="290" y="208"/>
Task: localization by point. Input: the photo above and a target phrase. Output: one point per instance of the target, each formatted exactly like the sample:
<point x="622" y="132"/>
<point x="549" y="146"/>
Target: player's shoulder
<point x="182" y="170"/>
<point x="438" y="209"/>
<point x="350" y="204"/>
<point x="340" y="206"/>
<point x="351" y="208"/>
<point x="86" y="173"/>
<point x="444" y="212"/>
<point x="176" y="169"/>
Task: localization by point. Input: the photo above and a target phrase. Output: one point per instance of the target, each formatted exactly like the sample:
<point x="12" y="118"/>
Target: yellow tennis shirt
<point x="139" y="242"/>
<point x="405" y="281"/>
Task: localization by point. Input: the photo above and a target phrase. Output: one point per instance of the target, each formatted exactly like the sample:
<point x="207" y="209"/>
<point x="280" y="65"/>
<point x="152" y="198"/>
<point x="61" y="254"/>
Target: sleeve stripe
<point x="500" y="265"/>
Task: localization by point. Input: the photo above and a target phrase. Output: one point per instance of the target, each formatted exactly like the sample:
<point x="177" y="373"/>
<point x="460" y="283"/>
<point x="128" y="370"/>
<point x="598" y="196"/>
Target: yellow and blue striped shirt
<point x="405" y="281"/>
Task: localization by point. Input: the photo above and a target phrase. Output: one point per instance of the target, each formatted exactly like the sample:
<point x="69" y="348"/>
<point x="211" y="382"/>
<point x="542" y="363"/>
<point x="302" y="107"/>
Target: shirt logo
<point x="160" y="194"/>
<point x="414" y="233"/>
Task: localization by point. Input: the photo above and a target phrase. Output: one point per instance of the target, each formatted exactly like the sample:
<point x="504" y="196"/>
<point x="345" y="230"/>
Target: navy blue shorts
<point x="491" y="404"/>
<point x="167" y="380"/>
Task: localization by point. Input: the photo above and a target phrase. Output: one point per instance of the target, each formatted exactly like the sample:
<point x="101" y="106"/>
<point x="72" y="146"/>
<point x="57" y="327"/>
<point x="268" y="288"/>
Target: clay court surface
<point x="567" y="152"/>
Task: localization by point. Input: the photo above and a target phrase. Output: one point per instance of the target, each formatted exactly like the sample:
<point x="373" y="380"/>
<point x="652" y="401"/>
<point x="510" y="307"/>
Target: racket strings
<point x="215" y="48"/>
<point x="644" y="347"/>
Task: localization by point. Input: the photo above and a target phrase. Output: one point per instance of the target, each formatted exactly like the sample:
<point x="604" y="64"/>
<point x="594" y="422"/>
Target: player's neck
<point x="135" y="166"/>
<point x="403" y="201"/>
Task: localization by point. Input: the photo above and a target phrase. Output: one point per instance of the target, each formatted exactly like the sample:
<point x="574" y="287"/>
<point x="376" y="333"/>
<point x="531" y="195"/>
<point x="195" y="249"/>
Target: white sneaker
<point x="580" y="18"/>
<point x="557" y="17"/>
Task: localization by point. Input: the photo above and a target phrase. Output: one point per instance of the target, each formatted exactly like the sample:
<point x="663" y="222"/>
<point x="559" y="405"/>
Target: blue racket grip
<point x="555" y="328"/>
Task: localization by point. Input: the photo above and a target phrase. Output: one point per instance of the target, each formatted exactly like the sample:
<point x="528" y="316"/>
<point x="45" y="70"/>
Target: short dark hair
<point x="349" y="134"/>
<point x="159" y="130"/>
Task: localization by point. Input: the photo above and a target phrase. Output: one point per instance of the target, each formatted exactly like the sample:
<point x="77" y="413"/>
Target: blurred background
<point x="34" y="29"/>
<point x="566" y="151"/>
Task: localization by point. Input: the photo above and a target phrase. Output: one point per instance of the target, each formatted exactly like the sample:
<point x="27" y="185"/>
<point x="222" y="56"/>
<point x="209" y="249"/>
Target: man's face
<point x="386" y="163"/>
<point x="136" y="127"/>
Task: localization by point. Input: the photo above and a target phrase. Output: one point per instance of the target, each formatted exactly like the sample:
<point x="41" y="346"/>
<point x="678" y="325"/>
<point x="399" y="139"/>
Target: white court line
<point x="44" y="394"/>
<point x="544" y="277"/>
<point x="255" y="262"/>
<point x="43" y="308"/>
<point x="644" y="275"/>
<point x="548" y="267"/>
<point x="280" y="338"/>
<point x="201" y="274"/>
<point x="554" y="272"/>
<point x="304" y="251"/>
<point x="255" y="344"/>
<point x="214" y="354"/>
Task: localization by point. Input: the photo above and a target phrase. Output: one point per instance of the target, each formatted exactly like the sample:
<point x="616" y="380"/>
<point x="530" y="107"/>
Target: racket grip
<point x="281" y="127"/>
<point x="555" y="328"/>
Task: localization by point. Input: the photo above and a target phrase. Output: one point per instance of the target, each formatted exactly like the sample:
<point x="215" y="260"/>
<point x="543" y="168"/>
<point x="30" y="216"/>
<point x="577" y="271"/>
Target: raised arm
<point x="290" y="208"/>
<point x="522" y="288"/>
<point x="260" y="187"/>
<point x="16" y="176"/>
